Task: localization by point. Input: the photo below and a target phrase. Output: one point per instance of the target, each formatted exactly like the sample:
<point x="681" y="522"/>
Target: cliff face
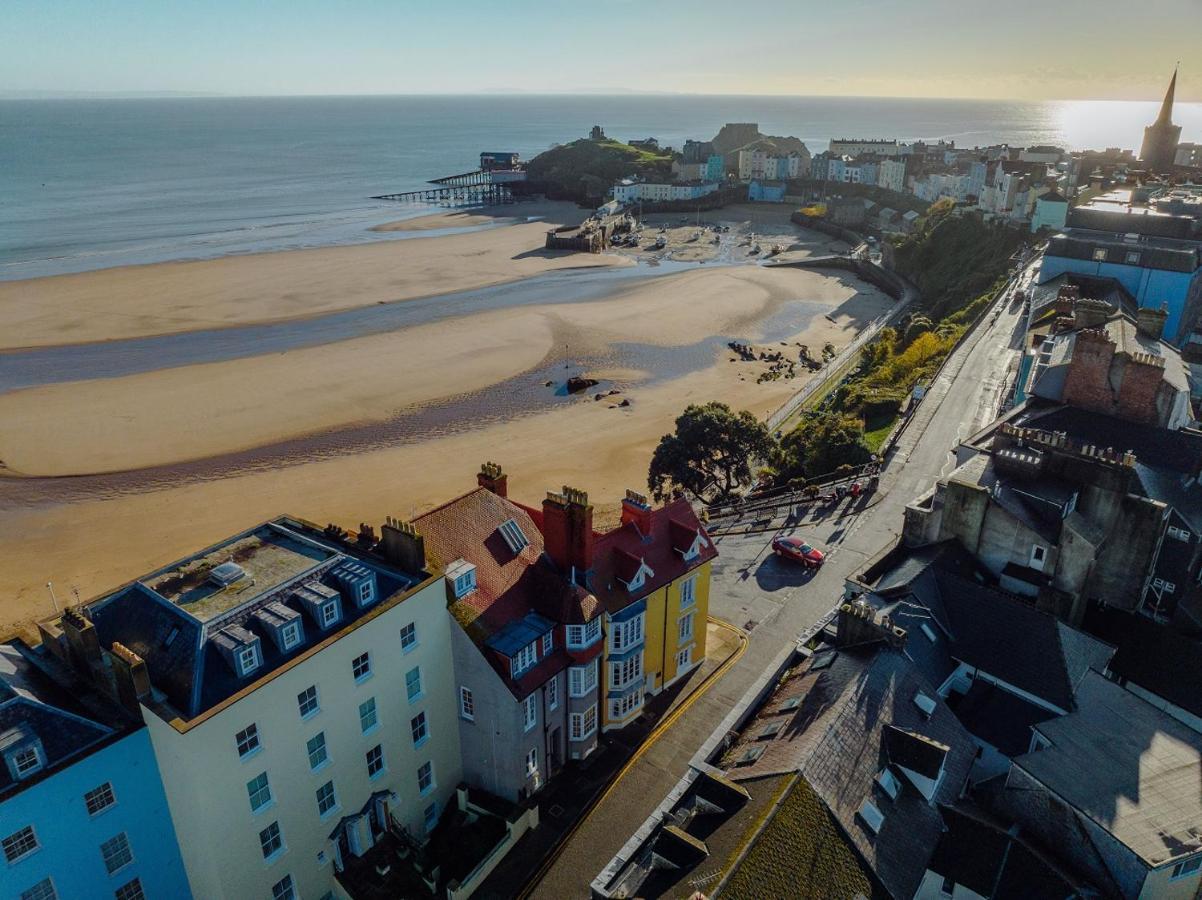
<point x="734" y="135"/>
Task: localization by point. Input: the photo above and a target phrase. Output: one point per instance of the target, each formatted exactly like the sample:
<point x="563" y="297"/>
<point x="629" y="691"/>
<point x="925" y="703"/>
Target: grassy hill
<point x="585" y="169"/>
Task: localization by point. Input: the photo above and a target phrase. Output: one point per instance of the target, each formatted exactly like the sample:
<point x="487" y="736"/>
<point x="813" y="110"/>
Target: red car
<point x="797" y="550"/>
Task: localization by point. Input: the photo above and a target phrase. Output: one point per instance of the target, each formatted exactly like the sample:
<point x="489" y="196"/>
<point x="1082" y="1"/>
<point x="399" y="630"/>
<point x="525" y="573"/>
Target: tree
<point x="709" y="454"/>
<point x="820" y="445"/>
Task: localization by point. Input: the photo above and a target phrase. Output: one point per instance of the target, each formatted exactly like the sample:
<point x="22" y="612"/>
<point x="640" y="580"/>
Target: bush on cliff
<point x="584" y="170"/>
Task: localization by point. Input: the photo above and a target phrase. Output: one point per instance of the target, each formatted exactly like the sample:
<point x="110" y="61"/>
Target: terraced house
<point x="563" y="632"/>
<point x="297" y="689"/>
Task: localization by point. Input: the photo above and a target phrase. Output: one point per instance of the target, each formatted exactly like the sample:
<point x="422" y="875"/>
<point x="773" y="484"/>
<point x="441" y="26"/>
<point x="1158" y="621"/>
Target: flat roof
<point x="268" y="556"/>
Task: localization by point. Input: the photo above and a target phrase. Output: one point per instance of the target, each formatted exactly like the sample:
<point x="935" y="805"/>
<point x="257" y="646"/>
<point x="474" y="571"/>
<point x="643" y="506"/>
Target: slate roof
<point x="990" y="630"/>
<point x="998" y="717"/>
<point x="1155" y="657"/>
<point x="994" y="863"/>
<point x="851" y="716"/>
<point x="1135" y="771"/>
<point x="181" y="652"/>
<point x="661" y="549"/>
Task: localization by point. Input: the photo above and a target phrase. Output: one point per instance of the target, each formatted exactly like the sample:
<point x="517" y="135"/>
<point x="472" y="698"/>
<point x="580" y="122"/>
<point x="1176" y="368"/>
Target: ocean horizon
<point x="94" y="183"/>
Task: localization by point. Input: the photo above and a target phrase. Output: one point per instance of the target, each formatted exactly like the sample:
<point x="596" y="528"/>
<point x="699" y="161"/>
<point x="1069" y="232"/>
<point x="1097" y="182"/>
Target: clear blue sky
<point x="935" y="48"/>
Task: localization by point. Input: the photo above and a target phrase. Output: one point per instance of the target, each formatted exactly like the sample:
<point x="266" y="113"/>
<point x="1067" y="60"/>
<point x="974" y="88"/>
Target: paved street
<point x="775" y="601"/>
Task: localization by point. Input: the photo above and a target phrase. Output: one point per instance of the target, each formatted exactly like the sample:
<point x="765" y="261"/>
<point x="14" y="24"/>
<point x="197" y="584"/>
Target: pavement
<point x="774" y="601"/>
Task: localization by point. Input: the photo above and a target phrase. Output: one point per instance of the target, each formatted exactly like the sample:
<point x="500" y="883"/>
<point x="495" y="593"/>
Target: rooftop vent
<point x="790" y="704"/>
<point x="924" y="703"/>
<point x="771" y="731"/>
<point x="226" y="574"/>
<point x="750" y="755"/>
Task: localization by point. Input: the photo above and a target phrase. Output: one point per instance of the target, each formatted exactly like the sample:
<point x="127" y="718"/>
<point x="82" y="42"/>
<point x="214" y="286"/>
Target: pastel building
<point x="83" y="812"/>
<point x="297" y="689"/>
<point x="630" y="191"/>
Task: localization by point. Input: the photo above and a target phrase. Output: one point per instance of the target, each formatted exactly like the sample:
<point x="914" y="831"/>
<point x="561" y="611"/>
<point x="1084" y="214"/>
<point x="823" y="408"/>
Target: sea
<point x="89" y="184"/>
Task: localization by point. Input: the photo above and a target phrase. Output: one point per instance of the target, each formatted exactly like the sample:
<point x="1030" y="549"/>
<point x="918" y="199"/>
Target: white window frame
<point x="622" y="707"/>
<point x="374" y="715"/>
<point x="331" y="795"/>
<point x="582" y="680"/>
<point x="361" y="667"/>
<point x="265" y="791"/>
<point x="624" y="635"/>
<point x="271" y="842"/>
<point x="467" y="703"/>
<point x="684" y="628"/>
<point x="1179" y="534"/>
<point x="582" y="725"/>
<point x="688" y="592"/>
<point x="431" y="784"/>
<point x="623" y="672"/>
<point x="290" y="634"/>
<point x="465" y="583"/>
<point x="532" y="762"/>
<point x="553" y="693"/>
<point x="1186" y="867"/>
<point x="378" y="751"/>
<point x="423" y="725"/>
<point x="317" y="752"/>
<point x="114" y="850"/>
<point x="99" y="799"/>
<point x="329" y="613"/>
<point x="20" y="839"/>
<point x="414" y="696"/>
<point x="283" y="889"/>
<point x="514" y="537"/>
<point x="430" y="817"/>
<point x="245" y="667"/>
<point x="1039" y="557"/>
<point x="409" y="637"/>
<point x="131" y="890"/>
<point x="684" y="659"/>
<point x="45" y="890"/>
<point x="27" y="760"/>
<point x="581" y="636"/>
<point x="523" y="660"/>
<point x="313" y="702"/>
<point x="1164" y="587"/>
<point x="529" y="712"/>
<point x="548" y="642"/>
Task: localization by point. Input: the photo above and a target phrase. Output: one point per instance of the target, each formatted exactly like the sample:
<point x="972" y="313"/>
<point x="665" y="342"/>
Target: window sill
<point x="416" y="698"/>
<point x="405" y="651"/>
<point x="464" y="718"/>
<point x="101" y="812"/>
<point x="370" y="729"/>
<point x="24" y="856"/>
<point x="583" y="737"/>
<point x="324" y="764"/>
<point x="363" y="678"/>
<point x="421" y="742"/>
<point x="250" y="754"/>
<point x="378" y="775"/>
<point x="333" y="810"/>
<point x="305" y="717"/>
<point x="271" y="860"/>
<point x="427" y="792"/>
<point x="121" y="868"/>
<point x="256" y="811"/>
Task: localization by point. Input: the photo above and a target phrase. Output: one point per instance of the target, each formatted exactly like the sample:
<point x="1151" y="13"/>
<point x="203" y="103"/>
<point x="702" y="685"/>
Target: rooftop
<point x="1135" y="771"/>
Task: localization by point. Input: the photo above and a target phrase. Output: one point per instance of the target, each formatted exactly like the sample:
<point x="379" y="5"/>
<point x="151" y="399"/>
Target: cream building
<point x="300" y="699"/>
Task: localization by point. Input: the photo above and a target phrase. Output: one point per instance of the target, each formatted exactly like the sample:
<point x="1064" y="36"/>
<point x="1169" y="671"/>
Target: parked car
<point x="797" y="550"/>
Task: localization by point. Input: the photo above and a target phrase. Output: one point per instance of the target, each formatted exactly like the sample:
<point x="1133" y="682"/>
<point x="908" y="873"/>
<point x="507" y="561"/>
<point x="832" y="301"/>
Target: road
<point x="775" y="601"/>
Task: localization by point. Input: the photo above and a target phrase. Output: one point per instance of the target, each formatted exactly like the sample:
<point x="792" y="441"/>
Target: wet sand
<point x="166" y="298"/>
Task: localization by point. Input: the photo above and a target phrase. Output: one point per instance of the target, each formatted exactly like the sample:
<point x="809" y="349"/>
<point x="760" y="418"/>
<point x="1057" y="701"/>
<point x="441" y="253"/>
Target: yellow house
<point x="652" y="574"/>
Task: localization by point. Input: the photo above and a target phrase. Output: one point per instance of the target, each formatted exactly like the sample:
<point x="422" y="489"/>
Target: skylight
<point x="924" y="703"/>
<point x="889" y="783"/>
<point x="872" y="816"/>
<point x="514" y="537"/>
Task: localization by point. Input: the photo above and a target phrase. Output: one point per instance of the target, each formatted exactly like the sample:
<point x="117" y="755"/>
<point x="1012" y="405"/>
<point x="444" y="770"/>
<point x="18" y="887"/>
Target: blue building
<point x="1151" y="245"/>
<point x="713" y="167"/>
<point x="820" y="167"/>
<point x="766" y="191"/>
<point x="82" y="809"/>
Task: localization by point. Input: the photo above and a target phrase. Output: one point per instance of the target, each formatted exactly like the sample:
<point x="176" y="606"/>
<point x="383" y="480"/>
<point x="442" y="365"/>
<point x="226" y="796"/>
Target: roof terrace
<point x="236" y="571"/>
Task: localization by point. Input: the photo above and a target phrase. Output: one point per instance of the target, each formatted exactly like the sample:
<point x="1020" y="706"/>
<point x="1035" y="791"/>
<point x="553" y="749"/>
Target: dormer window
<point x="248" y="659"/>
<point x="515" y="538"/>
<point x="23" y="752"/>
<point x="322" y="602"/>
<point x="27" y="761"/>
<point x="356" y="582"/>
<point x="525" y="658"/>
<point x="461" y="575"/>
<point x="290" y="634"/>
<point x="240" y="649"/>
<point x="329" y="614"/>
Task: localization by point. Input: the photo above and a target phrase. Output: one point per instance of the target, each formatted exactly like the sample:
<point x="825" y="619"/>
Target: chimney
<point x="1087" y="384"/>
<point x="492" y="478"/>
<point x="1090" y="313"/>
<point x="83" y="641"/>
<point x="131" y="676"/>
<point x="568" y="532"/>
<point x="1140" y="389"/>
<point x="636" y="509"/>
<point x="402" y="545"/>
<point x="857" y="623"/>
<point x="1150" y="321"/>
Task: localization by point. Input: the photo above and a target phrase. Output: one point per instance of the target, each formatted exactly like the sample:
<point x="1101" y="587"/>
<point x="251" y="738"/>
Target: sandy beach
<point x="62" y="530"/>
<point x="166" y="298"/>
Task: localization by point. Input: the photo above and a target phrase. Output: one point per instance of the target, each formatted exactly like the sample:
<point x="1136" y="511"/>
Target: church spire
<point x="1166" y="108"/>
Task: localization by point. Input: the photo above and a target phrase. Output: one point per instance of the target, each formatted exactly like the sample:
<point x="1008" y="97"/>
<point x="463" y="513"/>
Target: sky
<point x="1021" y="49"/>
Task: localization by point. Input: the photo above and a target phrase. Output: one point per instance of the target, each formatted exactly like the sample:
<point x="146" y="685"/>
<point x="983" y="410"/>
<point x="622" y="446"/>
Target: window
<point x="1099" y="255"/>
<point x="553" y="693"/>
<point x="524" y="660"/>
<point x="1132" y="257"/>
<point x="430" y="817"/>
<point x="514" y="537"/>
<point x="888" y="782"/>
<point x="99" y="799"/>
<point x="425" y="778"/>
<point x="19" y="843"/>
<point x="259" y="791"/>
<point x="1165" y="587"/>
<point x="418" y="728"/>
<point x="367" y="715"/>
<point x="688" y="592"/>
<point x="465" y="582"/>
<point x="684" y="658"/>
<point x="532" y="762"/>
<point x="467" y="704"/>
<point x="626" y="671"/>
<point x="365" y="593"/>
<point x="247" y="740"/>
<point x="307" y="701"/>
<point x="685" y="627"/>
<point x="361" y="666"/>
<point x="529" y="713"/>
<point x="283" y="890"/>
<point x="375" y="761"/>
<point x="948" y="886"/>
<point x="928" y="631"/>
<point x="548" y="642"/>
<point x="316" y="748"/>
<point x="329" y="614"/>
<point x="408" y="637"/>
<point x="26" y="761"/>
<point x="116" y="853"/>
<point x="131" y="890"/>
<point x="413" y="684"/>
<point x="871" y="816"/>
<point x="290" y="634"/>
<point x="623" y="635"/>
<point x="43" y="890"/>
<point x="271" y="842"/>
<point x="248" y="659"/>
<point x="581" y="636"/>
<point x="327" y="802"/>
<point x="582" y="725"/>
<point x="623" y="706"/>
<point x="1179" y="534"/>
<point x="1186" y="867"/>
<point x="1038" y="556"/>
<point x="582" y="679"/>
